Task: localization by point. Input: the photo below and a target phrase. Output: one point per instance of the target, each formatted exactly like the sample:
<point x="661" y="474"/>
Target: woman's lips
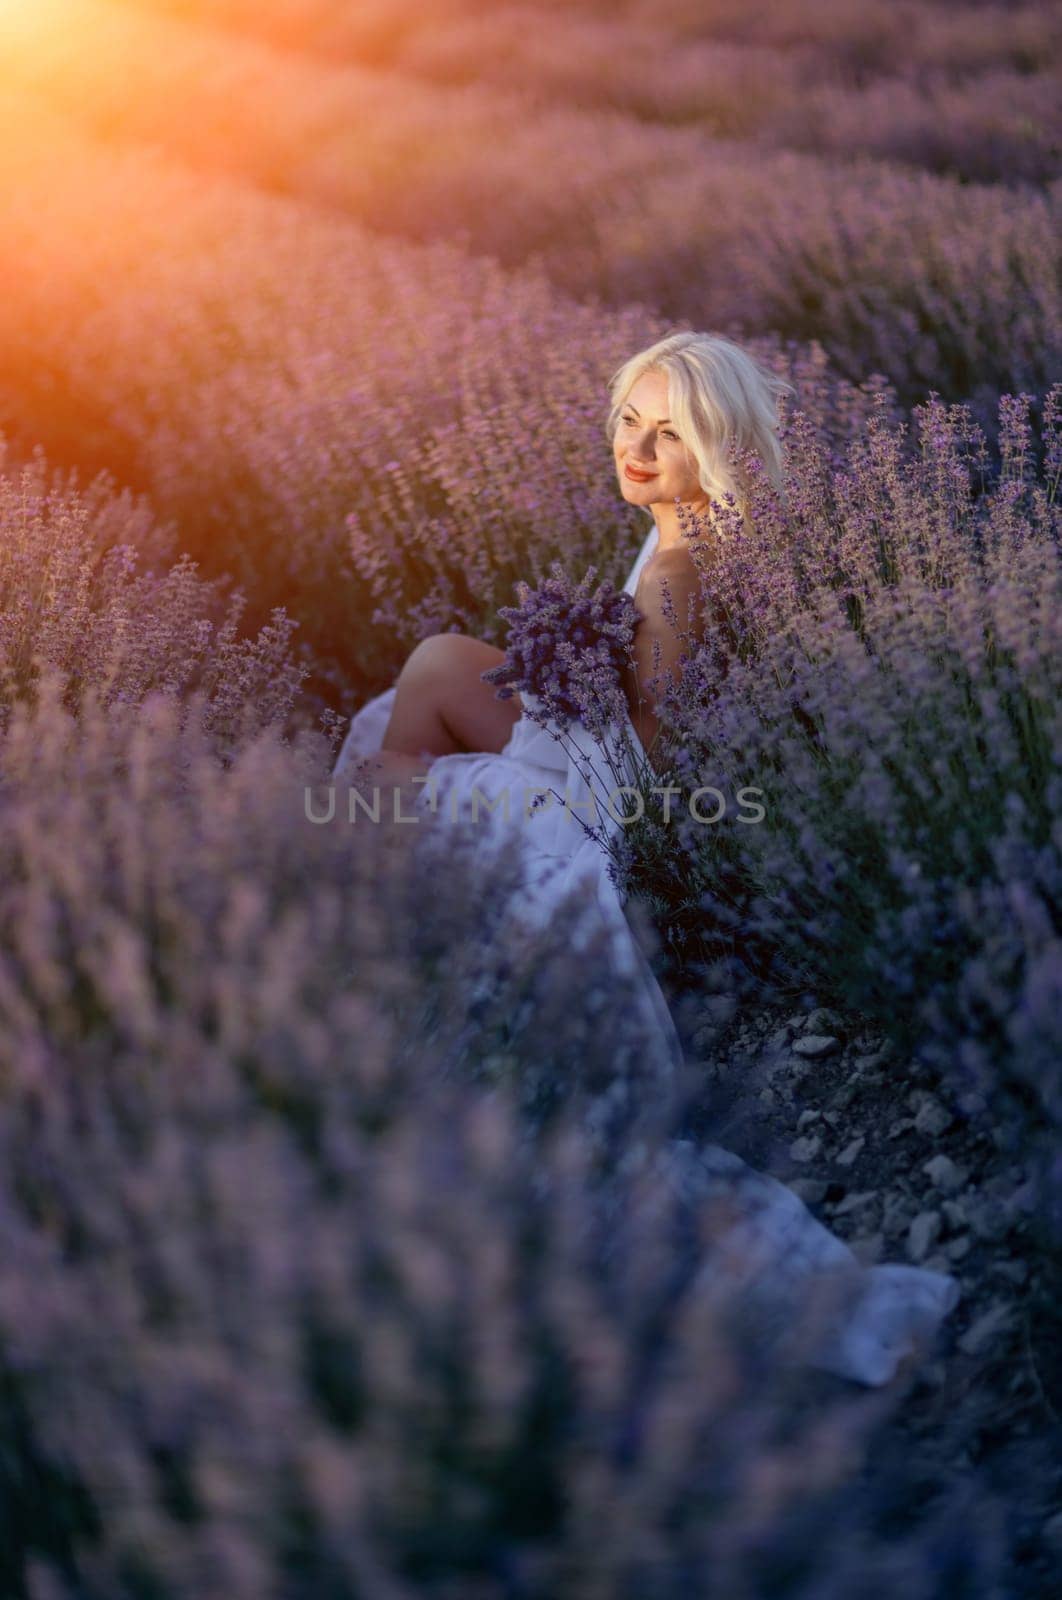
<point x="638" y="477"/>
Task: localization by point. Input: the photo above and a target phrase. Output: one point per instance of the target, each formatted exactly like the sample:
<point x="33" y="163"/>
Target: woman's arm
<point x="669" y="598"/>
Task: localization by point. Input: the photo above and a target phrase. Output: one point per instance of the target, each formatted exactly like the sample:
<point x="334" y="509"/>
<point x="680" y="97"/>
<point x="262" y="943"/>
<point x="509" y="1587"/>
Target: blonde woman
<point x="676" y="410"/>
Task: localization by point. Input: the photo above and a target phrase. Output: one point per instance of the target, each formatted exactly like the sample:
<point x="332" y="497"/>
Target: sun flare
<point x="22" y="20"/>
<point x="15" y="11"/>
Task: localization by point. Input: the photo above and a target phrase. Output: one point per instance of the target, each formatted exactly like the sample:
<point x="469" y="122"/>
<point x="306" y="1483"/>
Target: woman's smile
<point x="638" y="475"/>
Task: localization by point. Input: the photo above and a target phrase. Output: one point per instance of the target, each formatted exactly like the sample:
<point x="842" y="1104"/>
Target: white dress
<point x="894" y="1306"/>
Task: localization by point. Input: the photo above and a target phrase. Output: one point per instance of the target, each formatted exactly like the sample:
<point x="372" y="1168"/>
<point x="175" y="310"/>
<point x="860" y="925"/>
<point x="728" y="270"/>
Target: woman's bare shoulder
<point x="675" y="564"/>
<point x="676" y="556"/>
<point x="670" y="578"/>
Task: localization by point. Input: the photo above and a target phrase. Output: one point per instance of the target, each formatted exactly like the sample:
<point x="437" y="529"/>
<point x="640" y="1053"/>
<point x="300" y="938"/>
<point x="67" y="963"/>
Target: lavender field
<point x="353" y="1245"/>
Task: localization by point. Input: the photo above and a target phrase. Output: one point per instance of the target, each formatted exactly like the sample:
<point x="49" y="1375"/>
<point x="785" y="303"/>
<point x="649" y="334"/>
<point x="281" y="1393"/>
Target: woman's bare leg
<point x="443" y="706"/>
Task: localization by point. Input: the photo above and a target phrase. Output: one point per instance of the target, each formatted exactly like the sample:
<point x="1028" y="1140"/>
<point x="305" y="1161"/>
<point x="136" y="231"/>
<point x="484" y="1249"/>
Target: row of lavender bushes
<point x="298" y="1296"/>
<point x="692" y="224"/>
<point x="267" y="373"/>
<point x="884" y="662"/>
<point x="343" y="423"/>
<point x="89" y="589"/>
<point x="768" y="50"/>
<point x="976" y="102"/>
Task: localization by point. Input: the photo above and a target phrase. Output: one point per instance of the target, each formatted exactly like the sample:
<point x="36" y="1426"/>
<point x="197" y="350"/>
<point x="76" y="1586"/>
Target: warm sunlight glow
<point x="22" y="21"/>
<point x="24" y="12"/>
<point x="55" y="24"/>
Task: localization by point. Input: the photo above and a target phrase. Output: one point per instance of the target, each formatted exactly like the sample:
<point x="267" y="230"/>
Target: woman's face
<point x="652" y="462"/>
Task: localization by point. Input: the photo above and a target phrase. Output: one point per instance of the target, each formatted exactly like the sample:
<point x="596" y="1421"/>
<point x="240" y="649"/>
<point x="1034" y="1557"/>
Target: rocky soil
<point x="884" y="1155"/>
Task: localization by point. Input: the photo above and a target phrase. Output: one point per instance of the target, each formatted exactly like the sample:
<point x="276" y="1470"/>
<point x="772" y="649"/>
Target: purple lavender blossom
<point x="568" y="645"/>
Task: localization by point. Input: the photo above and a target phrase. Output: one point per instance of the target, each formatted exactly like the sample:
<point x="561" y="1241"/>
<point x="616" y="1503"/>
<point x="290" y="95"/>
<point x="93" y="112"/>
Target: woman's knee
<point x="443" y="676"/>
<point x="441" y="653"/>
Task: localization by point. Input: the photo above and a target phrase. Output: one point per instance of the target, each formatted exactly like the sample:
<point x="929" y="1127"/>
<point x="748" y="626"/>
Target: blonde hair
<point x="719" y="396"/>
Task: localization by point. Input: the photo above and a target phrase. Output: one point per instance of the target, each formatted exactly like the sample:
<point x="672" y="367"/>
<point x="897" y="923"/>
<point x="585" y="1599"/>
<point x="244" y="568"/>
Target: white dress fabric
<point x="887" y="1310"/>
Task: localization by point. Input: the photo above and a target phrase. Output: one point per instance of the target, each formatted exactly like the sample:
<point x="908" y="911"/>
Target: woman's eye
<point x="666" y="432"/>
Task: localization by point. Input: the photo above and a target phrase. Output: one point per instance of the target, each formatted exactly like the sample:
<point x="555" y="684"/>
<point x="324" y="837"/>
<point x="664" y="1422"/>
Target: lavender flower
<point x="568" y="646"/>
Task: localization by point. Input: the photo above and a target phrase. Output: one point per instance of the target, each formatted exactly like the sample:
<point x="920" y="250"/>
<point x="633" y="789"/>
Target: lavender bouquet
<point x="568" y="644"/>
